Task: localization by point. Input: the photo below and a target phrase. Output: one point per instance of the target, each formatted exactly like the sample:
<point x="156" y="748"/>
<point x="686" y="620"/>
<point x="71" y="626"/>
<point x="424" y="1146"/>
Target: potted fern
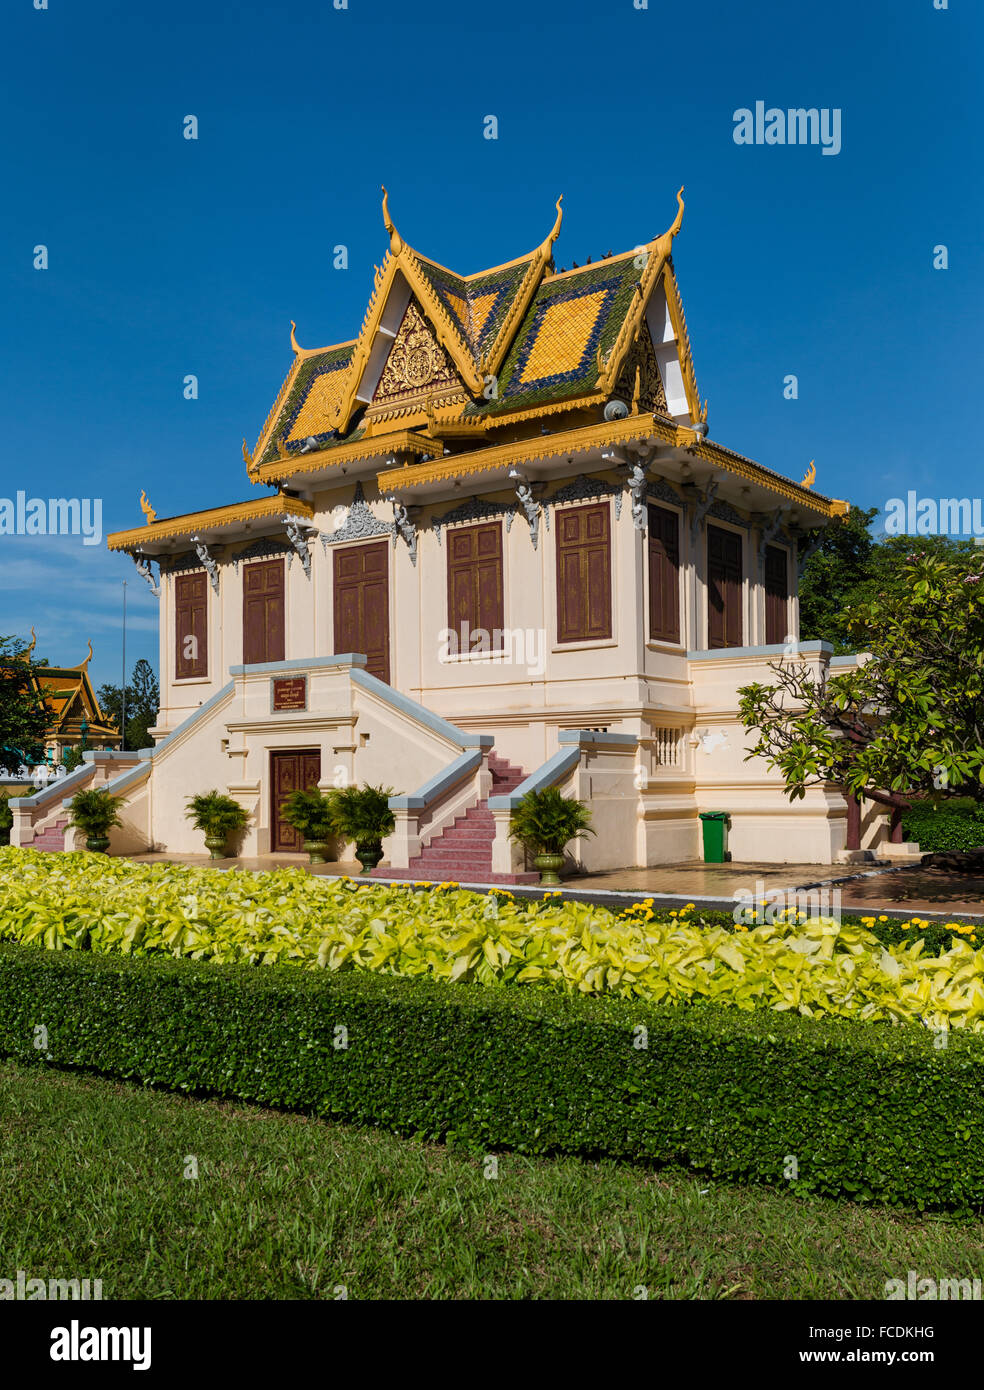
<point x="363" y="814"/>
<point x="95" y="812"/>
<point x="219" y="817"/>
<point x="311" y="814"/>
<point x="545" y="822"/>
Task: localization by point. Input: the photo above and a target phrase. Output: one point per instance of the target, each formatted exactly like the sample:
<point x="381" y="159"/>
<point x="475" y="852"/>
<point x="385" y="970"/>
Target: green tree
<point x="24" y="716"/>
<point x="910" y="719"/>
<point x="143" y="698"/>
<point x="72" y="758"/>
<point x="851" y="568"/>
<point x="831" y="577"/>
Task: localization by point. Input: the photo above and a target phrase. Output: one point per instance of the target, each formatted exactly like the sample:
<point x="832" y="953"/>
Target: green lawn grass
<point x="92" y="1185"/>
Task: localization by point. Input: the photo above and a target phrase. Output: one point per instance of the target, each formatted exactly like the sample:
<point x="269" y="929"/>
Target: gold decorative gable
<point x="639" y="380"/>
<point x="417" y="369"/>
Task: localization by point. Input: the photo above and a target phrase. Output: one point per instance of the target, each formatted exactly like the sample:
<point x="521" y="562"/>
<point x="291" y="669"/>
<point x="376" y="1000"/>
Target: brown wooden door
<point x="475" y="583"/>
<point x="664" y="574"/>
<point x="263" y="612"/>
<point x="362" y="604"/>
<point x="776" y="595"/>
<point x="584" y="574"/>
<point x="190" y="625"/>
<point x="292" y="771"/>
<point x="724" y="584"/>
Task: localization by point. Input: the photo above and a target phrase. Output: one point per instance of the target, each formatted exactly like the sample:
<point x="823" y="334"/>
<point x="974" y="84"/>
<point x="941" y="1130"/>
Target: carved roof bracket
<point x="701" y="502"/>
<point x="772" y="525"/>
<point x="209" y="562"/>
<point x="526" y="499"/>
<point x="405" y="526"/>
<point x="637" y="483"/>
<point x="295" y="534"/>
<point x="145" y="568"/>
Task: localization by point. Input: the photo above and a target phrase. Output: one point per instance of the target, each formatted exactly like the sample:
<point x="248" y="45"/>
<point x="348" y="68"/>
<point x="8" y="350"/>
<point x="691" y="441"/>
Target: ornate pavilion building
<point x="491" y="545"/>
<point x="76" y="720"/>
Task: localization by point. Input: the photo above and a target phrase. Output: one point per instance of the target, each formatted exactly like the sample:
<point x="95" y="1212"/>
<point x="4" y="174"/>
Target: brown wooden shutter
<point x="263" y="612"/>
<point x="584" y="573"/>
<point x="776" y="595"/>
<point x="361" y="604"/>
<point x="664" y="575"/>
<point x="190" y="625"/>
<point x="724" y="585"/>
<point x="475" y="591"/>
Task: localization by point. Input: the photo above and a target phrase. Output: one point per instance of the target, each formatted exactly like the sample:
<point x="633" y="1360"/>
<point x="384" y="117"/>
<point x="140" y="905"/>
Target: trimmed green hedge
<point x="865" y="1110"/>
<point x="949" y="828"/>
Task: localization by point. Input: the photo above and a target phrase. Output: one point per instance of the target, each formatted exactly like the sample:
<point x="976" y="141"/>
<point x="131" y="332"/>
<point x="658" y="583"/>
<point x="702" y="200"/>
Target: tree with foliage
<point x="72" y="758"/>
<point x="143" y="698"/>
<point x="851" y="568"/>
<point x="24" y="716"/>
<point x="909" y="720"/>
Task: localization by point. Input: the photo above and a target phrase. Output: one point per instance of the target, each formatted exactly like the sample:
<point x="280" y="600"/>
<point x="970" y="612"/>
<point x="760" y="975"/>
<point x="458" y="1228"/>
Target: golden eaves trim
<point x="321" y="460"/>
<point x="187" y="525"/>
<point x="498" y="456"/>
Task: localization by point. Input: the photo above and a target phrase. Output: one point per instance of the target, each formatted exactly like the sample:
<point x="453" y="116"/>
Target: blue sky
<point x="169" y="257"/>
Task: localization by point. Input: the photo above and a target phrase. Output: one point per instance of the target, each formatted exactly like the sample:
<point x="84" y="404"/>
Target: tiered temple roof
<point x="453" y="375"/>
<point x="68" y="693"/>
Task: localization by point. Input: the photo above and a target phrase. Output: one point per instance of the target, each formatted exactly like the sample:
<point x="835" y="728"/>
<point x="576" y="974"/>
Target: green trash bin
<point x="715" y="825"/>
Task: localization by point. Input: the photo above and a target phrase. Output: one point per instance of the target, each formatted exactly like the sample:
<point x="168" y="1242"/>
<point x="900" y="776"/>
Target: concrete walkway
<point x="937" y="894"/>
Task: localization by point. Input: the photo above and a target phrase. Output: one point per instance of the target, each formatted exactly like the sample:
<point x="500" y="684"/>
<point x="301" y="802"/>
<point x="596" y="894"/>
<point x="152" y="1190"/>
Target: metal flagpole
<point x="123" y="688"/>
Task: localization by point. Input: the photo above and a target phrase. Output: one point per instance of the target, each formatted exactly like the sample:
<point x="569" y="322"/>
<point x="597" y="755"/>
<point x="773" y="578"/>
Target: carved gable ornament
<point x="358" y="523"/>
<point x="417" y="366"/>
<point x="640" y="381"/>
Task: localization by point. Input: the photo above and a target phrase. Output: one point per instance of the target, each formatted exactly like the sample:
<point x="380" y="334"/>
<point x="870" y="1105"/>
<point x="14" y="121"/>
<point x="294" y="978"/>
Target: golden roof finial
<point x="395" y="240"/>
<point x="34" y="642"/>
<point x="293" y="338"/>
<point x="703" y="413"/>
<point x="555" y="230"/>
<point x="678" y="220"/>
<point x="147" y="509"/>
<point x="84" y="664"/>
<point x="810" y="476"/>
<point x="664" y="243"/>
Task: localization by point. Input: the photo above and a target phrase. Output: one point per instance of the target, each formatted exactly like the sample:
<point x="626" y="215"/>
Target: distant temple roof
<point x="68" y="693"/>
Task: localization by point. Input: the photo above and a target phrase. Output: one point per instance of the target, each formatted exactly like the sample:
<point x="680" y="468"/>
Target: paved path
<point x="899" y="892"/>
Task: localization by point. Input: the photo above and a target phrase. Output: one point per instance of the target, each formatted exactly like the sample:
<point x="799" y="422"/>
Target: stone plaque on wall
<point x="289" y="692"/>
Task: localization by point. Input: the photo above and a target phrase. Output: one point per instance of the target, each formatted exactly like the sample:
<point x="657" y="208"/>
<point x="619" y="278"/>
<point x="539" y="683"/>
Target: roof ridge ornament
<point x="546" y="247"/>
<point x="678" y="220"/>
<point x="396" y="241"/>
<point x="293" y="338"/>
<point x="810" y="476"/>
<point x="147" y="509"/>
<point x="34" y="642"/>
